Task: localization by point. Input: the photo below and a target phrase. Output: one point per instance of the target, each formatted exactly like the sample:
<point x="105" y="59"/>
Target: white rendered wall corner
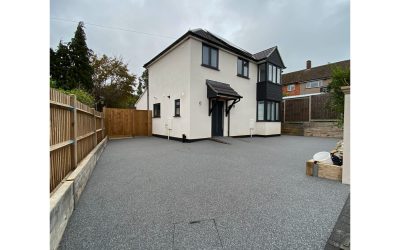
<point x="168" y="81"/>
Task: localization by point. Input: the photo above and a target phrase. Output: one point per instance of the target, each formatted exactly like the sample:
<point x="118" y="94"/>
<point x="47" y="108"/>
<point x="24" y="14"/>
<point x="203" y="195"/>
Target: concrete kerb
<point x="64" y="199"/>
<point x="82" y="173"/>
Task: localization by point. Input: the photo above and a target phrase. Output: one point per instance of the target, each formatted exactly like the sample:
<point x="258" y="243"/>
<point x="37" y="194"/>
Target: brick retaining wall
<point x="318" y="129"/>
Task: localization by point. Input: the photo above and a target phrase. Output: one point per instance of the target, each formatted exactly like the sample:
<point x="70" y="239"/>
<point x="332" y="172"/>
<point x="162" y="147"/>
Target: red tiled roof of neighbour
<point x="320" y="72"/>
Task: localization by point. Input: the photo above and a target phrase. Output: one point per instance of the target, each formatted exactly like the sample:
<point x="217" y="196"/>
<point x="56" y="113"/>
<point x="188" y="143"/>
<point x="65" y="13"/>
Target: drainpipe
<point x="229" y="123"/>
<point x="147" y="90"/>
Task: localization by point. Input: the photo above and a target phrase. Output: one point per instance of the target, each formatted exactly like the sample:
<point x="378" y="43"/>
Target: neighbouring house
<point x="310" y="80"/>
<point x="203" y="86"/>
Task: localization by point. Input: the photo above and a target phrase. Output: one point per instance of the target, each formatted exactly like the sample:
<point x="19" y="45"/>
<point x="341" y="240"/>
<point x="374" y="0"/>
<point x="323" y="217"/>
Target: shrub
<point x="81" y="95"/>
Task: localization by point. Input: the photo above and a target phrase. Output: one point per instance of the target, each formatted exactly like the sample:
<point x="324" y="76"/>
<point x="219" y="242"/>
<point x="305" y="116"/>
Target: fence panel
<point x="73" y="134"/>
<point x="127" y="122"/>
<point x="297" y="110"/>
<point x="320" y="109"/>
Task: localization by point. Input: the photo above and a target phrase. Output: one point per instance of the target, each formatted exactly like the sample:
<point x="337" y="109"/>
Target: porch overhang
<point x="219" y="91"/>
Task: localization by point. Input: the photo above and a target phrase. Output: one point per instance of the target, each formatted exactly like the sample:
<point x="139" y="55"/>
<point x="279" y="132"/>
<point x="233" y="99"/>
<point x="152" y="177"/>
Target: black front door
<point x="217" y="128"/>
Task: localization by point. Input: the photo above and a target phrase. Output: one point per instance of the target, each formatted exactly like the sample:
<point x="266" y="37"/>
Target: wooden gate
<point x="127" y="122"/>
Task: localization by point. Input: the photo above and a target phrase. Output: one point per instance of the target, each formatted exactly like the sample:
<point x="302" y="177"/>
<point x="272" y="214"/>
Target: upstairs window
<point x="261" y="72"/>
<point x="313" y="84"/>
<point x="210" y="57"/>
<point x="156" y="110"/>
<point x="290" y="87"/>
<point x="177" y="107"/>
<point x="243" y="68"/>
<point x="274" y="74"/>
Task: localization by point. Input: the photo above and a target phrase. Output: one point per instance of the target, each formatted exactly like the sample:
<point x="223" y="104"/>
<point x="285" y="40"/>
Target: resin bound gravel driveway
<point x="151" y="193"/>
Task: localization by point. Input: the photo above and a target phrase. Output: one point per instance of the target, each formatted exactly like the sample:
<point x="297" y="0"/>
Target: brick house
<point x="310" y="80"/>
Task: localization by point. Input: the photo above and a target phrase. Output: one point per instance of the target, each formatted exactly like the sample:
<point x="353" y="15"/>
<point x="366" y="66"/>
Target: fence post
<point x="95" y="130"/>
<point x="74" y="132"/>
<point x="284" y="111"/>
<point x="102" y="125"/>
<point x="309" y="109"/>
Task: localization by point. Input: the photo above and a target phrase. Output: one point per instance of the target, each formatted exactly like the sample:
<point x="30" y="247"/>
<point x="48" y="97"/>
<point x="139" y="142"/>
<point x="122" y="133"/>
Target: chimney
<point x="308" y="64"/>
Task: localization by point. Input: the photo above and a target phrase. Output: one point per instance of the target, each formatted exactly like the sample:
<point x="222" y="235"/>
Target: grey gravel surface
<point x="250" y="194"/>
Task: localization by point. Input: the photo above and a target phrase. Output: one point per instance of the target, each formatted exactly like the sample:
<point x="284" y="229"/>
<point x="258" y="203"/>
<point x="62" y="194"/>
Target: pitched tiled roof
<point x="220" y="88"/>
<point x="218" y="41"/>
<point x="264" y="54"/>
<point x="320" y="72"/>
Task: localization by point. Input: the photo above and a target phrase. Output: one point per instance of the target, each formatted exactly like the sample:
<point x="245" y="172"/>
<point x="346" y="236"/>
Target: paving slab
<point x="253" y="189"/>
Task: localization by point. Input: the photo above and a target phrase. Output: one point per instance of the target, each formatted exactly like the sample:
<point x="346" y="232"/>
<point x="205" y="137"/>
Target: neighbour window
<point x="313" y="84"/>
<point x="156" y="110"/>
<point x="268" y="111"/>
<point x="177" y="107"/>
<point x="261" y="72"/>
<point x="290" y="87"/>
<point x="242" y="68"/>
<point x="210" y="57"/>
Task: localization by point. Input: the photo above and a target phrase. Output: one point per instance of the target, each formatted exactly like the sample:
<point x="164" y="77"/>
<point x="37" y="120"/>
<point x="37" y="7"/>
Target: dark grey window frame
<point x="208" y="65"/>
<point x="277" y="70"/>
<point x="248" y="68"/>
<point x="157" y="106"/>
<point x="177" y="105"/>
<point x="266" y="111"/>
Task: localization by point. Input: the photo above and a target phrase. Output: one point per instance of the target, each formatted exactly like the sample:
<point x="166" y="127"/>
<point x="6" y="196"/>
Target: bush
<point x="81" y="95"/>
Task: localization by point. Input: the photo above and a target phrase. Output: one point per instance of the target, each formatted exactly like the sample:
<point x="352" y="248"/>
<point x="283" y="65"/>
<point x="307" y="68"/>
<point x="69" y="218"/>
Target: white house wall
<point x="241" y="113"/>
<point x="179" y="74"/>
<point x="141" y="104"/>
<point x="170" y="76"/>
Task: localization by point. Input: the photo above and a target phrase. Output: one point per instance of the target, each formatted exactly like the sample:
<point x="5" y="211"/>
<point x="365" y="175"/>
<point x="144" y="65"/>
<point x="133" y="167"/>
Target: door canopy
<point x="221" y="92"/>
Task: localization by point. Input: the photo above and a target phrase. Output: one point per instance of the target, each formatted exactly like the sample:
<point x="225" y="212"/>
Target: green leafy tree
<point x="113" y="84"/>
<point x="81" y="95"/>
<point x="81" y="71"/>
<point x="340" y="78"/>
<point x="60" y="65"/>
<point x="143" y="80"/>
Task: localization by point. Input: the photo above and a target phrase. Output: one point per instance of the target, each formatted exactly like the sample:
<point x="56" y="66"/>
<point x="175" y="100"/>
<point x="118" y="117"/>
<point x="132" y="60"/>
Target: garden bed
<point x="322" y="170"/>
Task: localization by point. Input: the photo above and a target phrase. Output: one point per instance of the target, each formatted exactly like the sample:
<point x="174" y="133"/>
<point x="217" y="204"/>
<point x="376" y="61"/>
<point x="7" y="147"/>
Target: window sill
<point x="177" y="116"/>
<point x="156" y="116"/>
<point x="210" y="67"/>
<point x="245" y="77"/>
<point x="267" y="121"/>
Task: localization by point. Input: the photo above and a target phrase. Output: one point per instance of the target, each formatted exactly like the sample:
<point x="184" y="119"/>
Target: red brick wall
<point x="296" y="90"/>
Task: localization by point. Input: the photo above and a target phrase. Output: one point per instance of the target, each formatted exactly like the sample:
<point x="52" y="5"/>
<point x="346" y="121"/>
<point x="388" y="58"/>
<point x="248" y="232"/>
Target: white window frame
<point x="309" y="85"/>
<point x="291" y="87"/>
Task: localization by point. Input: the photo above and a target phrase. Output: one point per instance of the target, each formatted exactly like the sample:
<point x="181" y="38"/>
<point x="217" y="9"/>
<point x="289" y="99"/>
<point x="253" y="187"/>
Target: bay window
<point x="268" y="111"/>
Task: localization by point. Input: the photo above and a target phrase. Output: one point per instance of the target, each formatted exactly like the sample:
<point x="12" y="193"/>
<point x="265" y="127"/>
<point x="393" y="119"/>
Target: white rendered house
<point x="203" y="86"/>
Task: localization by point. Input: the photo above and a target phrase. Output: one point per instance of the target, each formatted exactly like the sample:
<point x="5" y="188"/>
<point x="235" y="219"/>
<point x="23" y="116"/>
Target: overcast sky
<point x="318" y="30"/>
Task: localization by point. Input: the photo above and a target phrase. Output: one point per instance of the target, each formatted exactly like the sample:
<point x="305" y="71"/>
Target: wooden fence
<point x="307" y="109"/>
<point x="127" y="122"/>
<point x="75" y="129"/>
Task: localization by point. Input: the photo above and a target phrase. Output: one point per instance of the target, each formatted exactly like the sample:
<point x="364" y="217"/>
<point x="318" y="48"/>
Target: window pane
<point x="246" y="69"/>
<point x="277" y="104"/>
<point x="278" y="76"/>
<point x="261" y="68"/>
<point x="214" y="55"/>
<point x="272" y="111"/>
<point x="269" y="72"/>
<point x="268" y="111"/>
<point x="239" y="67"/>
<point x="206" y="58"/>
<point x="260" y="111"/>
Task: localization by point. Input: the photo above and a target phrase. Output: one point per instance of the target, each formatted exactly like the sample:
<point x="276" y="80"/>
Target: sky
<point x="137" y="30"/>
